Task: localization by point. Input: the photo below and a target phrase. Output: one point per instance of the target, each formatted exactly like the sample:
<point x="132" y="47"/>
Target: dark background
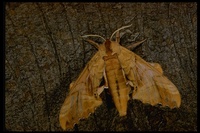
<point x="44" y="53"/>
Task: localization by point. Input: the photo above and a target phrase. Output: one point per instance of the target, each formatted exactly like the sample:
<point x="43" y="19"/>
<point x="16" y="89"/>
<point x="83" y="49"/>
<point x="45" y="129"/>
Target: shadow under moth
<point x="124" y="72"/>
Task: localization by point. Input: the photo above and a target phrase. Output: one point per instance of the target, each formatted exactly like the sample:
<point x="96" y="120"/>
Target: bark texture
<point x="44" y="53"/>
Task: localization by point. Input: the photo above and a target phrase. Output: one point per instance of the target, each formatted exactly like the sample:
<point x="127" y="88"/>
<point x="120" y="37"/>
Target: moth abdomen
<point x="117" y="83"/>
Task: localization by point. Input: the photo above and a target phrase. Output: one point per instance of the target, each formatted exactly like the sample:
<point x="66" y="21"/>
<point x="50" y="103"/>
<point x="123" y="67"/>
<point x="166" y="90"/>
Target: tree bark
<point x="44" y="53"/>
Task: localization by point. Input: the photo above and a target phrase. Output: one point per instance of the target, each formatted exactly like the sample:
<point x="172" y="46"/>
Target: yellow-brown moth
<point x="123" y="72"/>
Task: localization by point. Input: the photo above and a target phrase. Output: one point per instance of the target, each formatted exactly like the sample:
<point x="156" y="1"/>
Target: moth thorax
<point x="108" y="46"/>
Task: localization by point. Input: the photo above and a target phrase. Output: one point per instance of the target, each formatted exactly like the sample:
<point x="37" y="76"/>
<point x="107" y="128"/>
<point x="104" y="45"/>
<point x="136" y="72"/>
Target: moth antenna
<point x="119" y="30"/>
<point x="93" y="43"/>
<point x="95" y="36"/>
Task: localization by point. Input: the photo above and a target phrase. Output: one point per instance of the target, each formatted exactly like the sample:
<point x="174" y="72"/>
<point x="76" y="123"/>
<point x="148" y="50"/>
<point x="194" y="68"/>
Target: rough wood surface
<point x="44" y="53"/>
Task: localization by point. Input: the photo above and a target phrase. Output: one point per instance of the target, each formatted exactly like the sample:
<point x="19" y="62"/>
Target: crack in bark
<point x="48" y="30"/>
<point x="178" y="56"/>
<point x="190" y="65"/>
<point x="32" y="97"/>
<point x="101" y="17"/>
<point x="69" y="25"/>
<point x="43" y="83"/>
<point x="187" y="53"/>
<point x="12" y="70"/>
<point x="71" y="33"/>
<point x="20" y="83"/>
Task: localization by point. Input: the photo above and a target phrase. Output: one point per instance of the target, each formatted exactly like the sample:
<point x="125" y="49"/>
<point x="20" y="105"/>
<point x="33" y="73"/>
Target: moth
<point x="124" y="72"/>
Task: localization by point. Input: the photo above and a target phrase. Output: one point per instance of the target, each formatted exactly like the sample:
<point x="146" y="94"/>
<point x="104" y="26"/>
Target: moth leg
<point x="129" y="83"/>
<point x="106" y="80"/>
<point x="137" y="34"/>
<point x="133" y="46"/>
<point x="132" y="86"/>
<point x="105" y="86"/>
<point x="100" y="90"/>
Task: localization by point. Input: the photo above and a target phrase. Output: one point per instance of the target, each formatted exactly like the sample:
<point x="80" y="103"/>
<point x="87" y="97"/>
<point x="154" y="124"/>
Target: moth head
<point x="107" y="42"/>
